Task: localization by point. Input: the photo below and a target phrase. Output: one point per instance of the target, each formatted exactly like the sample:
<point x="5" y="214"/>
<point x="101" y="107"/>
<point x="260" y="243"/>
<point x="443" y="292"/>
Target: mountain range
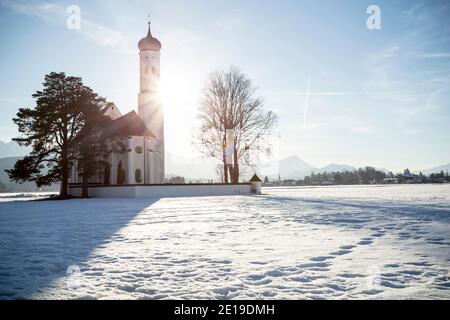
<point x="288" y="168"/>
<point x="12" y="149"/>
<point x="295" y="168"/>
<point x="176" y="165"/>
<point x="8" y="163"/>
<point x="445" y="168"/>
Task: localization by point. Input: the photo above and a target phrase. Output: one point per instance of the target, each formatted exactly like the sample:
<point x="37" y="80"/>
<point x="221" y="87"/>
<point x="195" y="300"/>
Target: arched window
<point x="153" y="70"/>
<point x="138" y="176"/>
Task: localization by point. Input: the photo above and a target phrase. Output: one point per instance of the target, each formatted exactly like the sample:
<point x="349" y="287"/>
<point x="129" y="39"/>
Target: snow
<point x="357" y="242"/>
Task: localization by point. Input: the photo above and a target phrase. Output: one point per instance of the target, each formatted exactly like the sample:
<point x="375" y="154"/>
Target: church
<point x="141" y="160"/>
<point x="136" y="169"/>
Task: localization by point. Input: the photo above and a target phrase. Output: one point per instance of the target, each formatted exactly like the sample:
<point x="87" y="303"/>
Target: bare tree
<point x="233" y="124"/>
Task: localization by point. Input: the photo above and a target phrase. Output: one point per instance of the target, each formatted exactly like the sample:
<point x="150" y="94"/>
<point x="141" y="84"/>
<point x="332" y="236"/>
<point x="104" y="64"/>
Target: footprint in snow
<point x="365" y="242"/>
<point x="340" y="252"/>
<point x="321" y="258"/>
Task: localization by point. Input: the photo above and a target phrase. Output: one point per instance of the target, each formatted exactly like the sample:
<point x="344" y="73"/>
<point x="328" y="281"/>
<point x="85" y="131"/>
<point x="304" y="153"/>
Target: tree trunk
<point x="230" y="172"/>
<point x="235" y="166"/>
<point x="225" y="172"/>
<point x="85" y="185"/>
<point x="64" y="175"/>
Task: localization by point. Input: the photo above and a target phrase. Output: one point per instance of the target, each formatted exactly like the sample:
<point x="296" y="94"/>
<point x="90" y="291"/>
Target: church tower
<point x="149" y="102"/>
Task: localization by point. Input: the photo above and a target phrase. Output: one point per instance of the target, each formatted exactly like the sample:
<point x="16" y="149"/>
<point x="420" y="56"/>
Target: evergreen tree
<point x="50" y="128"/>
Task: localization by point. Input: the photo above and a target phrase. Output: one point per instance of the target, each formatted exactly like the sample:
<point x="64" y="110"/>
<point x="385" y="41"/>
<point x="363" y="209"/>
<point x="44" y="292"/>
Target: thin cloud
<point x="413" y="9"/>
<point x="388" y="53"/>
<point x="410" y="112"/>
<point x="378" y="66"/>
<point x="105" y="36"/>
<point x="361" y="129"/>
<point x="412" y="132"/>
<point x="181" y="39"/>
<point x="56" y="14"/>
<point x="352" y="125"/>
<point x="313" y="125"/>
<point x="229" y="24"/>
<point x="436" y="55"/>
<point x="9" y="100"/>
<point x="330" y="93"/>
<point x="432" y="103"/>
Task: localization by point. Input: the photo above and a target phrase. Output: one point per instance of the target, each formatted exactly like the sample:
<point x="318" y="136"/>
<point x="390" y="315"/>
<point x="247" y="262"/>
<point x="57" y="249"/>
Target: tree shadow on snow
<point x="39" y="241"/>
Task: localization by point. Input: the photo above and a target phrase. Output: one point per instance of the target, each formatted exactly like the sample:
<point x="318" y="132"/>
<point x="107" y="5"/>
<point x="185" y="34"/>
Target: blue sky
<point x="377" y="97"/>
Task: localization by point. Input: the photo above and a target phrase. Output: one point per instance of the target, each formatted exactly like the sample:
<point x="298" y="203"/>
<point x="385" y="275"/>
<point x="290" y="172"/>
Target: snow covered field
<point x="362" y="242"/>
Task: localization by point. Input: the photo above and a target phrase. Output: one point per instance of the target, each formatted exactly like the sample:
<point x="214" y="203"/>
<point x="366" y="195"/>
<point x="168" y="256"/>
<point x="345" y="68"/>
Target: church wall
<point x="136" y="159"/>
<point x="164" y="191"/>
<point x="131" y="160"/>
<point x="74" y="177"/>
<point x="116" y="158"/>
<point x="113" y="112"/>
<point x="113" y="163"/>
<point x="149" y="160"/>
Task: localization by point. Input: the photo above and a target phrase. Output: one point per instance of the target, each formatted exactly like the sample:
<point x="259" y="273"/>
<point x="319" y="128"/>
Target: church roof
<point x="149" y="42"/>
<point x="255" y="178"/>
<point x="129" y="124"/>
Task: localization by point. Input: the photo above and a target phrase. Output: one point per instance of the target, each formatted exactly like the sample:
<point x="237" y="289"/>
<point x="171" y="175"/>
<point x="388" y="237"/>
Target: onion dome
<point x="149" y="42"/>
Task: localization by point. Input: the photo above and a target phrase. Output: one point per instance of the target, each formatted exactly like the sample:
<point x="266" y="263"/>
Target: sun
<point x="179" y="95"/>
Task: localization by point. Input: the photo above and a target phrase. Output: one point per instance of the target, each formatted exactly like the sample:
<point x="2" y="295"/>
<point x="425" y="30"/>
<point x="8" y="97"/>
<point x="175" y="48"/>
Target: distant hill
<point x="444" y="168"/>
<point x="337" y="168"/>
<point x="7" y="186"/>
<point x="288" y="168"/>
<point x="6" y="163"/>
<point x="295" y="168"/>
<point x="12" y="149"/>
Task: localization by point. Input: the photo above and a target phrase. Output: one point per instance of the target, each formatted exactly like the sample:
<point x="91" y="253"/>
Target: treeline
<point x="367" y="175"/>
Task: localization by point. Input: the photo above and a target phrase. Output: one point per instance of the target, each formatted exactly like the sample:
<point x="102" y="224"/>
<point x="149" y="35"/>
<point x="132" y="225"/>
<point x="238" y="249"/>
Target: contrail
<point x="306" y="100"/>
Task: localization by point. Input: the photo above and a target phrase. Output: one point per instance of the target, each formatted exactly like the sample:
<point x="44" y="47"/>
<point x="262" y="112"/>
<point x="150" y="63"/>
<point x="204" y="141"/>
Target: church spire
<point x="149" y="42"/>
<point x="149" y="33"/>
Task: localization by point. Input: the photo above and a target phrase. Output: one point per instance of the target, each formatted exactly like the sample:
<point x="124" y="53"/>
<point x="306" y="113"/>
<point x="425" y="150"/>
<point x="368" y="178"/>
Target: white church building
<point x="141" y="160"/>
<point x="136" y="170"/>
